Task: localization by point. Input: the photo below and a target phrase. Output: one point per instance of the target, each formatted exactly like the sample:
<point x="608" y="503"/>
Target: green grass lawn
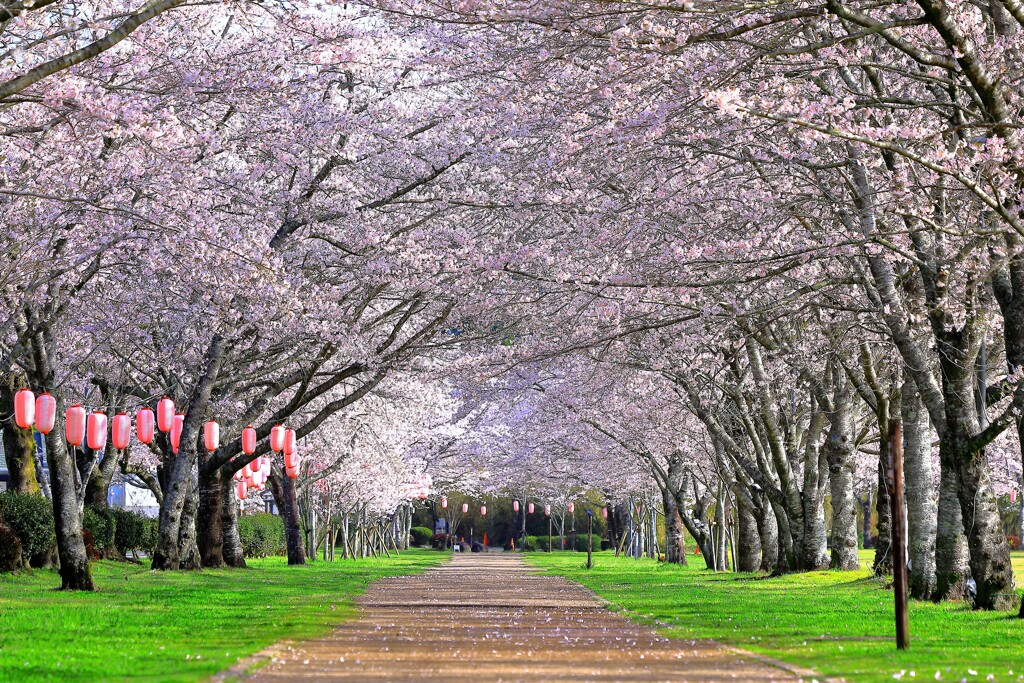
<point x="837" y="623"/>
<point x="175" y="626"/>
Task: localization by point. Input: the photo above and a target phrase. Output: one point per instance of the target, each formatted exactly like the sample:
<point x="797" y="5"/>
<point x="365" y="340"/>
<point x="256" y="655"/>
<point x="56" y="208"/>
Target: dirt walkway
<point x="490" y="617"/>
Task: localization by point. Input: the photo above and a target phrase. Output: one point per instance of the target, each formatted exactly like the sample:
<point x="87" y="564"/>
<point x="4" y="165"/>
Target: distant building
<point x="132" y="495"/>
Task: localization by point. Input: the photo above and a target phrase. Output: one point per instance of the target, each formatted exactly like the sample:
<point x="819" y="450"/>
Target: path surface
<point x="491" y="617"/>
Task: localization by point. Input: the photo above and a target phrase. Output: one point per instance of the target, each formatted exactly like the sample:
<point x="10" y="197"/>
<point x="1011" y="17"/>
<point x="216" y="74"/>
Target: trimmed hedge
<point x="262" y="534"/>
<point x="541" y="542"/>
<point x="30" y="517"/>
<point x="134" y="532"/>
<point x="581" y="542"/>
<point x="100" y="523"/>
<point x="420" y="536"/>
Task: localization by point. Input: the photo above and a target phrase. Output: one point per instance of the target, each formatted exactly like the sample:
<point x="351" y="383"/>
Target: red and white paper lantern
<point x="46" y="413"/>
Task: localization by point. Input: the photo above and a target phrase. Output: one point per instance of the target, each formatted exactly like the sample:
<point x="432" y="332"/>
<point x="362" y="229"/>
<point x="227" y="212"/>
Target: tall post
<point x="590" y="538"/>
<point x="549" y="533"/>
<point x="898" y="533"/>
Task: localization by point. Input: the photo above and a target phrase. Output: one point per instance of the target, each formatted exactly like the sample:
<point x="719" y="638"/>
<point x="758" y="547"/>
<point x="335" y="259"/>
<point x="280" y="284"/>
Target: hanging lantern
<point x="211" y="435"/>
<point x="251" y="466"/>
<point x="291" y="459"/>
<point x="25" y="408"/>
<point x="237" y="476"/>
<point x="277" y="438"/>
<point x="483" y="510"/>
<point x="265" y="466"/>
<point x="292" y="472"/>
<point x="465" y="508"/>
<point x="547" y="510"/>
<point x="515" y="506"/>
<point x="1013" y="495"/>
<point x="97" y="430"/>
<point x="74" y="425"/>
<point x="290" y="441"/>
<point x="604" y="512"/>
<point x="241" y="488"/>
<point x="572" y="508"/>
<point x="145" y="425"/>
<point x="46" y="413"/>
<point x="179" y="423"/>
<point x="444" y="502"/>
<point x="249" y="440"/>
<point x="121" y="431"/>
<point x="165" y="415"/>
<point x="529" y="508"/>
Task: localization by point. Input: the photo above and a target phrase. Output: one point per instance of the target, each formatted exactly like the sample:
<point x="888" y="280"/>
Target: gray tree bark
<point x="922" y="508"/>
<point x="748" y="541"/>
<point x="232" y="548"/>
<point x="840" y="452"/>
<point x="179" y="479"/>
<point x="952" y="559"/>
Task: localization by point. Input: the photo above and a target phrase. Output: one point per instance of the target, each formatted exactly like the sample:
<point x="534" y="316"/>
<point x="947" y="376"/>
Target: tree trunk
<point x="211" y="517"/>
<point x="19" y="444"/>
<point x="67" y="517"/>
<point x="865" y="505"/>
<point x="986" y="540"/>
<point x="721" y="531"/>
<point x="748" y="541"/>
<point x="675" y="539"/>
<point x="287" y="503"/>
<point x="840" y="454"/>
<point x="952" y="559"/>
<point x="232" y="547"/>
<point x="179" y="479"/>
<point x="922" y="511"/>
<point x="768" y="533"/>
<point x="98" y="488"/>
<point x="882" y="565"/>
<point x="188" y="545"/>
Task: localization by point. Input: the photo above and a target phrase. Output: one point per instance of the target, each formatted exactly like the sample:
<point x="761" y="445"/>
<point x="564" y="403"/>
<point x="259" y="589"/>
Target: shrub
<point x="150" y="534"/>
<point x="100" y="523"/>
<point x="10" y="548"/>
<point x="262" y="534"/>
<point x="581" y="542"/>
<point x="130" y="531"/>
<point x="420" y="535"/>
<point x="1014" y="542"/>
<point x="30" y="517"/>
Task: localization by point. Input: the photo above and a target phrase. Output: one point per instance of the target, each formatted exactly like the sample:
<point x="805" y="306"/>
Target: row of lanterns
<point x="91" y="429"/>
<point x="515" y="508"/>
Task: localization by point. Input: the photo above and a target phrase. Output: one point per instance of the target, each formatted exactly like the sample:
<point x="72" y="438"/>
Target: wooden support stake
<point x="898" y="534"/>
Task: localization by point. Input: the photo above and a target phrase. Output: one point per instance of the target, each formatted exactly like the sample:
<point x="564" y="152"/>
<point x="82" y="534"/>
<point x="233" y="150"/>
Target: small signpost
<point x="898" y="534"/>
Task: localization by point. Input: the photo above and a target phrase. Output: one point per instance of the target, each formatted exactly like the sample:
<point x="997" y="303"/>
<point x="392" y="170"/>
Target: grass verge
<point x="837" y="623"/>
<point x="175" y="626"/>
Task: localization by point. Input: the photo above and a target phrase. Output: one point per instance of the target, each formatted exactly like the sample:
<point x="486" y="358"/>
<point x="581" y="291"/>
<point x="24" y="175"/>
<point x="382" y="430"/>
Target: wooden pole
<point x="590" y="539"/>
<point x="898" y="532"/>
